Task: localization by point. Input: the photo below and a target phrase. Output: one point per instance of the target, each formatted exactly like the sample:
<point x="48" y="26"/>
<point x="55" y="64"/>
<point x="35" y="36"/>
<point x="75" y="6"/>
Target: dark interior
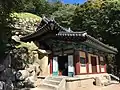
<point x="94" y="64"/>
<point x="62" y="60"/>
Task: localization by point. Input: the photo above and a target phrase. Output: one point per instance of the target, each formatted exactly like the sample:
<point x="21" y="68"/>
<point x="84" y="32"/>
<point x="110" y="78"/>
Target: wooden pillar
<point x="105" y="67"/>
<point x="51" y="63"/>
<point x="77" y="63"/>
<point x="99" y="63"/>
<point x="87" y="62"/>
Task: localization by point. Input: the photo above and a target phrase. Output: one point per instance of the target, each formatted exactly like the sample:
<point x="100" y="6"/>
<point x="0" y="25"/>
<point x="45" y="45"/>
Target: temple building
<point x="70" y="53"/>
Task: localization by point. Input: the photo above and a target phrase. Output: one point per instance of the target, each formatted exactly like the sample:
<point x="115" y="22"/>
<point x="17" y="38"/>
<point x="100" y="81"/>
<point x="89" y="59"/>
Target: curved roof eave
<point x="108" y="48"/>
<point x="61" y="30"/>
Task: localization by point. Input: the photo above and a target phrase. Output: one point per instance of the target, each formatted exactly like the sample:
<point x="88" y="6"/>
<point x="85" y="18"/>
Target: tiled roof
<point x="51" y="26"/>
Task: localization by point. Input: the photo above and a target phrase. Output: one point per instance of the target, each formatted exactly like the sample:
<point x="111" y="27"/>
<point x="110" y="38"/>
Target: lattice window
<point x="82" y="61"/>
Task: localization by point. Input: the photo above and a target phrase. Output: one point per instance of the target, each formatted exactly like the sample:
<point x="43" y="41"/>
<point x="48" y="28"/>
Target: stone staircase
<point x="114" y="77"/>
<point x="53" y="83"/>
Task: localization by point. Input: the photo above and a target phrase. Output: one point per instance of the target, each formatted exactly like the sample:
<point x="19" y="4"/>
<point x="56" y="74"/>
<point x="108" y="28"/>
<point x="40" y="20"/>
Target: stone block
<point x="97" y="81"/>
<point x="73" y="85"/>
<point x="22" y="74"/>
<point x="2" y="67"/>
<point x="20" y="84"/>
<point x="2" y="85"/>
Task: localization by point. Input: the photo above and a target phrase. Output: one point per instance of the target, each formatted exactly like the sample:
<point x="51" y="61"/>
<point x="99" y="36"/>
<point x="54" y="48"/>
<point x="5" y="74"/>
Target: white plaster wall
<point x="44" y="65"/>
<point x="101" y="58"/>
<point x="82" y="54"/>
<point x="83" y="70"/>
<point x="55" y="64"/>
<point x="70" y="63"/>
<point x="90" y="68"/>
<point x="102" y="69"/>
<point x="98" y="68"/>
<point x="89" y="58"/>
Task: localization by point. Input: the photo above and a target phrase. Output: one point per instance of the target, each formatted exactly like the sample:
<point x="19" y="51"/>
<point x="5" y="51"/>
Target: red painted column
<point x="51" y="63"/>
<point x="99" y="63"/>
<point x="87" y="62"/>
<point x="105" y="67"/>
<point x="77" y="63"/>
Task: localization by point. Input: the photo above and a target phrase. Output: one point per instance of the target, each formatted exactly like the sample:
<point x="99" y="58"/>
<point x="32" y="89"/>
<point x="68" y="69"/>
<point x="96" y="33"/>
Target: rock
<point x="2" y="67"/>
<point x="31" y="79"/>
<point x="35" y="88"/>
<point x="34" y="67"/>
<point x="8" y="72"/>
<point x="9" y="85"/>
<point x="20" y="84"/>
<point x="22" y="74"/>
<point x="37" y="83"/>
<point x="30" y="68"/>
<point x="16" y="38"/>
<point x="37" y="68"/>
<point x="2" y="85"/>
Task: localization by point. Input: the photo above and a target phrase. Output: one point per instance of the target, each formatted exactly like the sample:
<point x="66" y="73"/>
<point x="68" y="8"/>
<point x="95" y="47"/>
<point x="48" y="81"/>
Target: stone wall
<point x="21" y="67"/>
<point x="7" y="74"/>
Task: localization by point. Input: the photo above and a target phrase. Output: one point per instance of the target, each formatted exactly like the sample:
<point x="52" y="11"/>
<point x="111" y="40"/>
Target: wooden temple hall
<point x="72" y="53"/>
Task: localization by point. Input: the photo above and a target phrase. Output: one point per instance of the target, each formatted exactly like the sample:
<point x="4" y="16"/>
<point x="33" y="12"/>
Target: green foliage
<point x="30" y="46"/>
<point x="6" y="7"/>
<point x="25" y="15"/>
<point x="25" y="23"/>
<point x="38" y="7"/>
<point x="101" y="19"/>
<point x="64" y="15"/>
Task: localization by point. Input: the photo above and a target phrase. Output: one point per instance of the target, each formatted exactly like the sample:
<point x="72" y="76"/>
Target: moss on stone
<point x="26" y="15"/>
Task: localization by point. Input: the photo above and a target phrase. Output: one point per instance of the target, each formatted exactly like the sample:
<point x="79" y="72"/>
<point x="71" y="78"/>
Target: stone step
<point x="53" y="82"/>
<point x="55" y="78"/>
<point x="115" y="77"/>
<point x="49" y="85"/>
<point x="46" y="87"/>
<point x="42" y="88"/>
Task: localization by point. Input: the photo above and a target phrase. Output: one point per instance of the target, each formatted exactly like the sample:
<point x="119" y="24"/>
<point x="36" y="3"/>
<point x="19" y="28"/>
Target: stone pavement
<point x="109" y="87"/>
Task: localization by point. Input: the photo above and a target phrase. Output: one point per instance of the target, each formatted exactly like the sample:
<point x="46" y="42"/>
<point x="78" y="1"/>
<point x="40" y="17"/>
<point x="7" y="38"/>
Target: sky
<point x="73" y="1"/>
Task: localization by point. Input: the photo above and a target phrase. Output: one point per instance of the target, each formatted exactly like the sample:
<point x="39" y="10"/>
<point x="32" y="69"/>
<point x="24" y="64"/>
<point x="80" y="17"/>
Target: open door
<point x="94" y="64"/>
<point x="63" y="65"/>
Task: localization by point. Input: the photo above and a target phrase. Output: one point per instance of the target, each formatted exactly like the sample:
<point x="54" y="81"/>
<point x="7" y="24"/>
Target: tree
<point x="6" y="7"/>
<point x="64" y="15"/>
<point x="101" y="19"/>
<point x="39" y="7"/>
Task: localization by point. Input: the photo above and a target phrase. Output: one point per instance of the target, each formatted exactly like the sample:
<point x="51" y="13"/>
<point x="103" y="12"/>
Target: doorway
<point x="63" y="65"/>
<point x="94" y="64"/>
